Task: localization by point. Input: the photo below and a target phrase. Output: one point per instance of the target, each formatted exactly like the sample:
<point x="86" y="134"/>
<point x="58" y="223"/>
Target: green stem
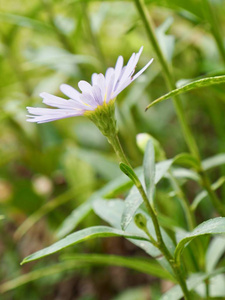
<point x="149" y="26"/>
<point x="207" y="290"/>
<point x="189" y="138"/>
<point x="114" y="141"/>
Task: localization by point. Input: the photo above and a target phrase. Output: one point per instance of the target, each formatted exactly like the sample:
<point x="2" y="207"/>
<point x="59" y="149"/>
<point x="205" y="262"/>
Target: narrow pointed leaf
<point x="214" y="252"/>
<point x="80" y="236"/>
<point x="188" y="87"/>
<point x="132" y="202"/>
<point x="129" y="172"/>
<point x="212" y="226"/>
<point x="175" y="293"/>
<point x="149" y="170"/>
<point x="111" y="212"/>
<point x="204" y="194"/>
<point x="214" y="161"/>
<point x="145" y="265"/>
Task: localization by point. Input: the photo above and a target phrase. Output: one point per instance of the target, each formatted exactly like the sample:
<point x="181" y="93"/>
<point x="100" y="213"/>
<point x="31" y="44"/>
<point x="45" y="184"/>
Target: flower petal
<point x="58" y="102"/>
<point x="110" y="88"/>
<point x="142" y="70"/>
<point x="70" y="92"/>
<point x="84" y="86"/>
<point x="96" y="91"/>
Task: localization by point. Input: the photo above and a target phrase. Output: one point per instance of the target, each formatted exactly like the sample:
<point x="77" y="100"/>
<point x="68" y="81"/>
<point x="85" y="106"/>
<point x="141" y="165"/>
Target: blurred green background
<point x="48" y="170"/>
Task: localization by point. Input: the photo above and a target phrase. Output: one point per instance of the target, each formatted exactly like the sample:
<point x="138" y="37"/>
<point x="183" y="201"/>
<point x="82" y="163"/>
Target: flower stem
<point x="189" y="138"/>
<point x="114" y="141"/>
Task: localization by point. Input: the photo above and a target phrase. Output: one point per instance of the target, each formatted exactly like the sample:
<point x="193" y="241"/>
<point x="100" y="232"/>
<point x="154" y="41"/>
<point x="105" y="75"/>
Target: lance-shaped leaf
<point x="188" y="87"/>
<point x="80" y="236"/>
<point x="175" y="293"/>
<point x="214" y="161"/>
<point x="204" y="194"/>
<point x="111" y="211"/>
<point x="212" y="226"/>
<point x="149" y="170"/>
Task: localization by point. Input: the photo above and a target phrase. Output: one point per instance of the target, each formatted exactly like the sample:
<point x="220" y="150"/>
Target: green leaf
<point x="132" y="202"/>
<point x="129" y="172"/>
<point x="111" y="189"/>
<point x="145" y="265"/>
<point x="161" y="168"/>
<point x="79" y="261"/>
<point x="185" y="174"/>
<point x="204" y="194"/>
<point x="149" y="170"/>
<point x="111" y="211"/>
<point x="214" y="161"/>
<point x="166" y="42"/>
<point x="212" y="226"/>
<point x="186" y="159"/>
<point x="214" y="252"/>
<point x="80" y="236"/>
<point x="37" y="274"/>
<point x="74" y="219"/>
<point x="175" y="293"/>
<point x="188" y="87"/>
<point x="134" y="199"/>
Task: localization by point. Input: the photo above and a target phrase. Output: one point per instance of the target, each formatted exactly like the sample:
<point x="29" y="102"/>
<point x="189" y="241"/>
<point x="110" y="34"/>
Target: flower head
<point x="101" y="91"/>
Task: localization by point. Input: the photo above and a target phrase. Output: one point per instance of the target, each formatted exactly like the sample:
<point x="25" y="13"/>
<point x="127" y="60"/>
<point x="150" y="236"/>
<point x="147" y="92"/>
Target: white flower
<point x="101" y="90"/>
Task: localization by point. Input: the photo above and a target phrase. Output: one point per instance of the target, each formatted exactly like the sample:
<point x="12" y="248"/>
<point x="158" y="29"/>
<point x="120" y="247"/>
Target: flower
<point x="101" y="91"/>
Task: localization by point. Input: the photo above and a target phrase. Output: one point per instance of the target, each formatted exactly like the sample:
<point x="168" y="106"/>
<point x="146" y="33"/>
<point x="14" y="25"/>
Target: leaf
<point x="79" y="261"/>
<point x="111" y="189"/>
<point x="213" y="161"/>
<point x="186" y="174"/>
<point x="212" y="226"/>
<point x="214" y="252"/>
<point x="166" y="42"/>
<point x="37" y="274"/>
<point x="145" y="265"/>
<point x="130" y="173"/>
<point x="175" y="293"/>
<point x="80" y="236"/>
<point x="149" y="170"/>
<point x="111" y="211"/>
<point x="134" y="199"/>
<point x="74" y="219"/>
<point x="186" y="159"/>
<point x="132" y="202"/>
<point x="204" y="194"/>
<point x="161" y="168"/>
<point x="188" y="87"/>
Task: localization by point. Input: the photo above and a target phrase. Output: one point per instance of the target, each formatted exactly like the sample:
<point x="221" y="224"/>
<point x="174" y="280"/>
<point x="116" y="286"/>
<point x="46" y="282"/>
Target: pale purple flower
<point x="101" y="90"/>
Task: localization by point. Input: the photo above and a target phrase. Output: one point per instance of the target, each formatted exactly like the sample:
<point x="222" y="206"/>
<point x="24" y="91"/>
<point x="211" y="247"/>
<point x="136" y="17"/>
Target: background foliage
<point x="49" y="170"/>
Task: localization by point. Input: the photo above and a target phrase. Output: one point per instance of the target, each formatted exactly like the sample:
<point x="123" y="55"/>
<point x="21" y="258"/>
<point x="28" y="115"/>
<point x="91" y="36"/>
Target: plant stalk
<point x="114" y="141"/>
<point x="189" y="138"/>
